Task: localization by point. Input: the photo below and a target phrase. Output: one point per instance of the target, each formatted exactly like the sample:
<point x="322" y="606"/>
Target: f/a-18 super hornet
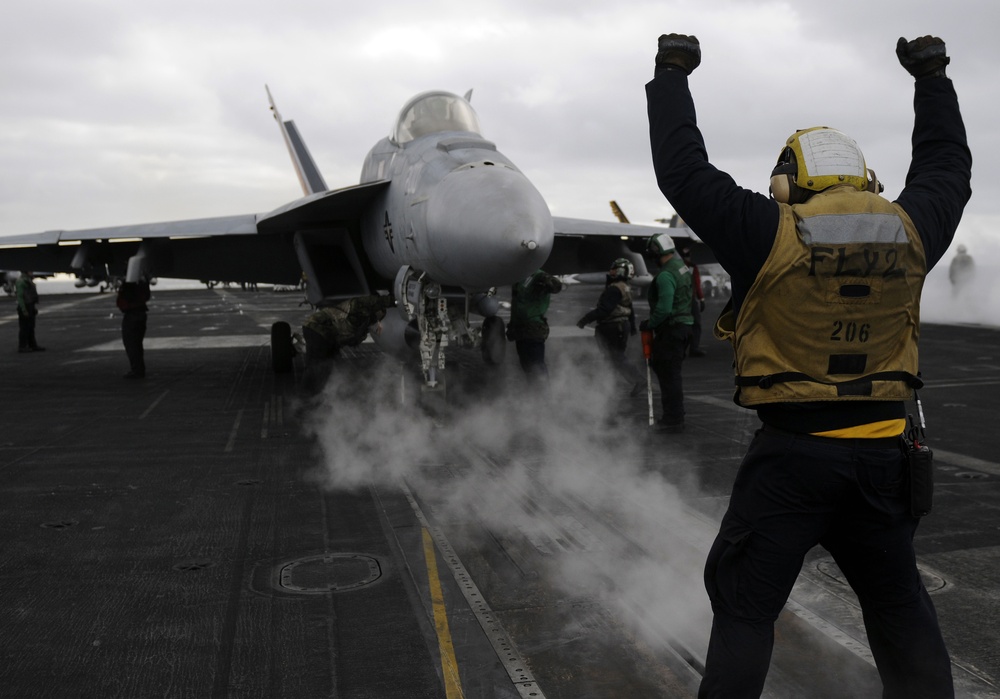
<point x="441" y="219"/>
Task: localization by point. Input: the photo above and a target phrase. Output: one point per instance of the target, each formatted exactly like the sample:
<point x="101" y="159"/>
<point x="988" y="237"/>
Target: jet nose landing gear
<point x="417" y="297"/>
<point x="420" y="298"/>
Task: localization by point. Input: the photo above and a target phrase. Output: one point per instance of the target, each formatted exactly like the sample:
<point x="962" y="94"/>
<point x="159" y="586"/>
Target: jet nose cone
<point x="490" y="227"/>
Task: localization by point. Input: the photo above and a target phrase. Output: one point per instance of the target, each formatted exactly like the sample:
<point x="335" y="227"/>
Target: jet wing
<point x="222" y="225"/>
<point x="247" y="247"/>
<point x="583" y="245"/>
<point x="323" y="208"/>
<point x="585" y="227"/>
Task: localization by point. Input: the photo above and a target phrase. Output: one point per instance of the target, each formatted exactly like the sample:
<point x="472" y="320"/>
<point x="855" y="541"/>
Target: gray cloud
<point x="117" y="113"/>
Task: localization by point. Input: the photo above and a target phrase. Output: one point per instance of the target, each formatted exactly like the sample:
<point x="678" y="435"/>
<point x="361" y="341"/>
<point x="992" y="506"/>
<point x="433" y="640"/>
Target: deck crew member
<point x="670" y="320"/>
<point x="615" y="321"/>
<point x="826" y="281"/>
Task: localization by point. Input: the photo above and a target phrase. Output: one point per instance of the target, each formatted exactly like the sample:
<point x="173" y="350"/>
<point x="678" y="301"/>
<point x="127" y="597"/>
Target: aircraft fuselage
<point x="455" y="208"/>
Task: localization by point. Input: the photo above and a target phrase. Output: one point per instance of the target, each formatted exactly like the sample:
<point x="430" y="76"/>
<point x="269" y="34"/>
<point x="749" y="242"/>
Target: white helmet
<point x="815" y="159"/>
<point x="661" y="244"/>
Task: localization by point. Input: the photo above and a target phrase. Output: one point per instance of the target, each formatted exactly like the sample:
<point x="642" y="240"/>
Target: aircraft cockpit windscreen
<point x="433" y="112"/>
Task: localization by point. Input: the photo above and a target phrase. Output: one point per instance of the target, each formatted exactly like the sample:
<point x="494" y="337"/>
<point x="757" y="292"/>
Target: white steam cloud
<point x="978" y="301"/>
<point x="557" y="467"/>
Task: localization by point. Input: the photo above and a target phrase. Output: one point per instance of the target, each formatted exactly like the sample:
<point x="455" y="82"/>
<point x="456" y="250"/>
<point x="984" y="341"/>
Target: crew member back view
<point x="826" y="281"/>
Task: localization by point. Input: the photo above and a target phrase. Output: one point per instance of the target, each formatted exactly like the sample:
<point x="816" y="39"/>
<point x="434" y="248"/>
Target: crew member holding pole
<point x="670" y="320"/>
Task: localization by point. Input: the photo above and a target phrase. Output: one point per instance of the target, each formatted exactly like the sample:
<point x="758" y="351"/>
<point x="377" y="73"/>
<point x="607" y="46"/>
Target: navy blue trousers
<point x="133" y="333"/>
<point x="26" y="329"/>
<point x="669" y="347"/>
<point x="531" y="355"/>
<point x="791" y="493"/>
<point x="612" y="338"/>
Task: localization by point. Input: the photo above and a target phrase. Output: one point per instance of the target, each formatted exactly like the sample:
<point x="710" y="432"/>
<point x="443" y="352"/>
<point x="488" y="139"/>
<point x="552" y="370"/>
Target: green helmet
<point x="661" y="244"/>
<point x="622" y="269"/>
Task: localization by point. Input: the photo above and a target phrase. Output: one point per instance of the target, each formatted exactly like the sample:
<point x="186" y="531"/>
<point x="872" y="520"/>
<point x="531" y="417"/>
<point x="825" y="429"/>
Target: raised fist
<point x="677" y="52"/>
<point x="925" y="57"/>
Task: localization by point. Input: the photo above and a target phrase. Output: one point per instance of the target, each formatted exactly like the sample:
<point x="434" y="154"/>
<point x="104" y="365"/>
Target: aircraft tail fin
<point x="305" y="167"/>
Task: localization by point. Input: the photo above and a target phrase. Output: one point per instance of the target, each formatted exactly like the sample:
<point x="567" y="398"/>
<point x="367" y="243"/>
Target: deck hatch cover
<point x="331" y="572"/>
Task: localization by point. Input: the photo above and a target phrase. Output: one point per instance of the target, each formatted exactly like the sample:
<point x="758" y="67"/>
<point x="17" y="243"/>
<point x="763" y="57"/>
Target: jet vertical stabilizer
<point x="619" y="214"/>
<point x="305" y="167"/>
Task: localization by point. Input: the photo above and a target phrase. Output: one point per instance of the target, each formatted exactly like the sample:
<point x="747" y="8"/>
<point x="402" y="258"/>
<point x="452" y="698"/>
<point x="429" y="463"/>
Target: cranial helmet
<point x="661" y="244"/>
<point x="815" y="159"/>
<point x="622" y="269"/>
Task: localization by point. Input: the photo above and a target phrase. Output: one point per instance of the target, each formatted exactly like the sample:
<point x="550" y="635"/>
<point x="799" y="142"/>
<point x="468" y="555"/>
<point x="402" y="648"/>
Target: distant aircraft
<point x="685" y="238"/>
<point x="441" y="220"/>
<point x="617" y="211"/>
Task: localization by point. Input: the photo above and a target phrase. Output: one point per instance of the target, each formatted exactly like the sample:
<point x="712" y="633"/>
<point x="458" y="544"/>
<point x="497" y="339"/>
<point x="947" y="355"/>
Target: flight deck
<point x="214" y="530"/>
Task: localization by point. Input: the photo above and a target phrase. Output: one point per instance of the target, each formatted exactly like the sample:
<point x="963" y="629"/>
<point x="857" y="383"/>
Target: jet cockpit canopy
<point x="433" y="112"/>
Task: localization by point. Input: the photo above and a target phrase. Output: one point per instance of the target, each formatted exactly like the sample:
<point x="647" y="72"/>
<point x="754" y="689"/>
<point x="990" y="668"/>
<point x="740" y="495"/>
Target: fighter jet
<point x="441" y="220"/>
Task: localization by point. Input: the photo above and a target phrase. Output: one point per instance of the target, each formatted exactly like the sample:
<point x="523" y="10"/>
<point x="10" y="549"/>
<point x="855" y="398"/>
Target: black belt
<point x="853" y="442"/>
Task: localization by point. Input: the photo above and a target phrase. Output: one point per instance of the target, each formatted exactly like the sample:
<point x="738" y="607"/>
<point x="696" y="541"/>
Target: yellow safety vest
<point x="834" y="313"/>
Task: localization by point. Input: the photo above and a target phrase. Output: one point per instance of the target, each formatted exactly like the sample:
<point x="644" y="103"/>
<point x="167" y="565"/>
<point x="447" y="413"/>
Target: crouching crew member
<point x="344" y="324"/>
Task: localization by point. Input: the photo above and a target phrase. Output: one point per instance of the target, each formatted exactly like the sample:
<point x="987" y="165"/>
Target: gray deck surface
<point x="214" y="531"/>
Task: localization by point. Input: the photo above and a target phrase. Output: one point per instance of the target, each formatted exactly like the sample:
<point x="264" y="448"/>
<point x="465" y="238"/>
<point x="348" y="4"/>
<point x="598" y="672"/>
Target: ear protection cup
<point x="783" y="187"/>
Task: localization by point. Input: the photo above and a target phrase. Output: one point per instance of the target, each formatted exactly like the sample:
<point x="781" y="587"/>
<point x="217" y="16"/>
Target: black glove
<point x="677" y="51"/>
<point x="925" y="57"/>
<point x="644" y="326"/>
<point x="581" y="323"/>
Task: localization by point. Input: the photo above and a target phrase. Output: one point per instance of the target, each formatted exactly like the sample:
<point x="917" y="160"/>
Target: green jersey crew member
<point x="528" y="327"/>
<point x="670" y="320"/>
<point x="826" y="281"/>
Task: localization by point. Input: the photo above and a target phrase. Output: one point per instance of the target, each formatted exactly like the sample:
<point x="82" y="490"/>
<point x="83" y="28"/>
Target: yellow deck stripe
<point x="449" y="665"/>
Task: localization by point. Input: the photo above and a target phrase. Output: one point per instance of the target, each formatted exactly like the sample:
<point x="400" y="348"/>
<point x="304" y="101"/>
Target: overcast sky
<point x="116" y="111"/>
